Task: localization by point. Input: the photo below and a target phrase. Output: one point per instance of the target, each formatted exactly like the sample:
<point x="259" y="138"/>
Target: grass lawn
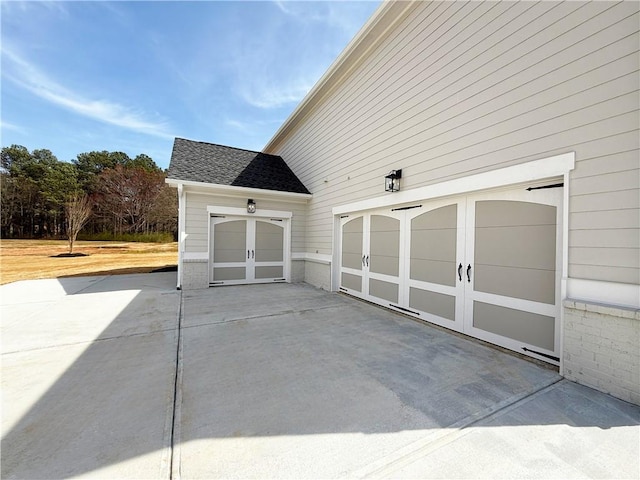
<point x="32" y="259"/>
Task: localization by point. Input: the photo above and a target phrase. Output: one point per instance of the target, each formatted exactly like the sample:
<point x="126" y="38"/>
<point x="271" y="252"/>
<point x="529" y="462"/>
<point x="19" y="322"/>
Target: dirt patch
<point x="33" y="259"/>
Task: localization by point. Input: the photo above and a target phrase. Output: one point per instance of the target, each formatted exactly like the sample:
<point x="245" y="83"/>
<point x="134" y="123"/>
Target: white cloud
<point x="238" y="125"/>
<point x="263" y="93"/>
<point x="297" y="42"/>
<point x="29" y="77"/>
<point x="272" y="74"/>
<point x="348" y="16"/>
<point x="342" y="15"/>
<point x="10" y="126"/>
<point x="21" y="6"/>
<point x="282" y="6"/>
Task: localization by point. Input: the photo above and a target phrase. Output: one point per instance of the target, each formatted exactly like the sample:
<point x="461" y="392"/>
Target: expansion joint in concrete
<point x="258" y="317"/>
<point x="386" y="466"/>
<point x="174" y="463"/>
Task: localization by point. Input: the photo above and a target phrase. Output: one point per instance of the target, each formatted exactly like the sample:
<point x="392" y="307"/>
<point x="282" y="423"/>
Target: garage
<point x="473" y="103"/>
<point x="484" y="264"/>
<point x="246" y="249"/>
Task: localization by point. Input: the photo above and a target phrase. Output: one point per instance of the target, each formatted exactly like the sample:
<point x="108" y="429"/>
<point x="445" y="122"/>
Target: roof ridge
<point x="226" y="146"/>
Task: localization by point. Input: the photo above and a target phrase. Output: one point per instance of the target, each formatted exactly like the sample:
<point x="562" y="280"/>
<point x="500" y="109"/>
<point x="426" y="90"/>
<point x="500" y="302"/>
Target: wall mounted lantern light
<point x="251" y="206"/>
<point x="392" y="181"/>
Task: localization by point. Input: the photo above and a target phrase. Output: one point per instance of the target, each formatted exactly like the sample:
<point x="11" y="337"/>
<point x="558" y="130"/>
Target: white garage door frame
<point x="241" y="213"/>
<point x="531" y="173"/>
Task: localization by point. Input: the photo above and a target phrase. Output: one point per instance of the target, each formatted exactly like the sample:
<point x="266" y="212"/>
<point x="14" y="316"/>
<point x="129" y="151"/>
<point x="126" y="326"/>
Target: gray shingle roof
<point x="221" y="165"/>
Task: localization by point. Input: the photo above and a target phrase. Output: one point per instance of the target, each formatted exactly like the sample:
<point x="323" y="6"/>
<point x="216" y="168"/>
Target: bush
<point x="160" y="237"/>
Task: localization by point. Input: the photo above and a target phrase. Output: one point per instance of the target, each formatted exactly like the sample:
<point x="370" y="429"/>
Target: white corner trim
<point x="526" y="172"/>
<point x="608" y="293"/>
<point x="182" y="209"/>
<point x="312" y="257"/>
<point x="233" y="191"/>
<point x="243" y="212"/>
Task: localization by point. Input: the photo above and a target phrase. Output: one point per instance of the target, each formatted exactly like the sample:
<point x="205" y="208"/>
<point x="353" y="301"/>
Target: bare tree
<point x="129" y="195"/>
<point x="77" y="211"/>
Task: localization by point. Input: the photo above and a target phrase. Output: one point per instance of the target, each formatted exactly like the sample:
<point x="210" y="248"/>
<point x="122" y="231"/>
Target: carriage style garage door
<point x="247" y="250"/>
<point x="486" y="265"/>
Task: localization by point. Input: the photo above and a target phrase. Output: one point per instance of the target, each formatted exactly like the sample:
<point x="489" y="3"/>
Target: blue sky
<point x="131" y="76"/>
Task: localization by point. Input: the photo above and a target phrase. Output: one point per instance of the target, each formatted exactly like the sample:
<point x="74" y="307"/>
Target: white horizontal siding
<point x="197" y="218"/>
<point x="618" y="238"/>
<point x="407" y="132"/>
<point x="462" y="88"/>
<point x="592" y="202"/>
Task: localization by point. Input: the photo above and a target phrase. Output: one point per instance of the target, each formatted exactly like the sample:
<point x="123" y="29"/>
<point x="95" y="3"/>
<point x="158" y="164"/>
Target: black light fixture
<point x="392" y="181"/>
<point x="251" y="206"/>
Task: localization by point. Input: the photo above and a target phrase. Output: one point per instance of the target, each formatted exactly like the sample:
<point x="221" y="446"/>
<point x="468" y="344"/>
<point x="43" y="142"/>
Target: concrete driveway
<point x="125" y="377"/>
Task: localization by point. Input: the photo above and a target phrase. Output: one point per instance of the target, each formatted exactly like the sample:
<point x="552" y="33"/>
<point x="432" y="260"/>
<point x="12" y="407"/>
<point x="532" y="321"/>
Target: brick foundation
<point x="602" y="348"/>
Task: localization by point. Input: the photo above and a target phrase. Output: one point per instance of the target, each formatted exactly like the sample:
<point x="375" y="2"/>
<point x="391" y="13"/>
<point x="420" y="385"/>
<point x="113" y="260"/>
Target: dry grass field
<point x="33" y="259"/>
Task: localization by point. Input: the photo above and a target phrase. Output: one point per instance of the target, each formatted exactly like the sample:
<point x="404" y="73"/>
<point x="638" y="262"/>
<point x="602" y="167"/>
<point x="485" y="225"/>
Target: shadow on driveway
<point x="88" y="378"/>
<point x="283" y="381"/>
<point x="280" y="381"/>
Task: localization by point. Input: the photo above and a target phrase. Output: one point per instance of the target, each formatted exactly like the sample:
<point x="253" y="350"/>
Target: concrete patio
<point x="125" y="377"/>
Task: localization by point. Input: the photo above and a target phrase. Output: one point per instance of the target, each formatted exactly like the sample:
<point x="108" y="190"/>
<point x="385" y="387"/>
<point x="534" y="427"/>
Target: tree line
<point x="124" y="195"/>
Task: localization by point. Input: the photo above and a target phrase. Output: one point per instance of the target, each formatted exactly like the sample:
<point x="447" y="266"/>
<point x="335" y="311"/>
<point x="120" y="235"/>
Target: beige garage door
<point x="371" y="255"/>
<point x="486" y="265"/>
<point x="246" y="250"/>
<point x="513" y="282"/>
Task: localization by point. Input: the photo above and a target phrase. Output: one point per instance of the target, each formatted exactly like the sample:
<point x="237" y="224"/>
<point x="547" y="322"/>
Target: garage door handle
<point x="469" y="273"/>
<point x="460" y="272"/>
<point x="367" y="260"/>
<point x="248" y="252"/>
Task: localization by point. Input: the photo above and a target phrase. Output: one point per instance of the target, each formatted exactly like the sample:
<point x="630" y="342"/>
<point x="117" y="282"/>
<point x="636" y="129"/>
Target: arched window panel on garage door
<point x="433" y="258"/>
<point x="229" y="249"/>
<point x="384" y="262"/>
<point x="352" y="256"/>
<point x="515" y="249"/>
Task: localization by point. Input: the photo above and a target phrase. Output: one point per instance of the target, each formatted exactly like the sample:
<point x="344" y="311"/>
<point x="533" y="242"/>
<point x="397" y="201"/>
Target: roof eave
<point x="234" y="191"/>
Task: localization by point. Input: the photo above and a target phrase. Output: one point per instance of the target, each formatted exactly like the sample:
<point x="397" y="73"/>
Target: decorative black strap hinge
<point x="406" y="208"/>
<point x="546" y="355"/>
<point x="555" y="185"/>
<point x="403" y="309"/>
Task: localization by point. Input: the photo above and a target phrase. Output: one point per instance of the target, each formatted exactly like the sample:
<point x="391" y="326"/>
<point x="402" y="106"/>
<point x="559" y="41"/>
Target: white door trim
<point x="242" y="212"/>
<point x="535" y="170"/>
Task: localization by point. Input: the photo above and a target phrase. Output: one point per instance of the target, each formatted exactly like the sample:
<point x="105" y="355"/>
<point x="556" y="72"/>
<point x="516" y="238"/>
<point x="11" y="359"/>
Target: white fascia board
<point x="526" y="172"/>
<point x="233" y="191"/>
